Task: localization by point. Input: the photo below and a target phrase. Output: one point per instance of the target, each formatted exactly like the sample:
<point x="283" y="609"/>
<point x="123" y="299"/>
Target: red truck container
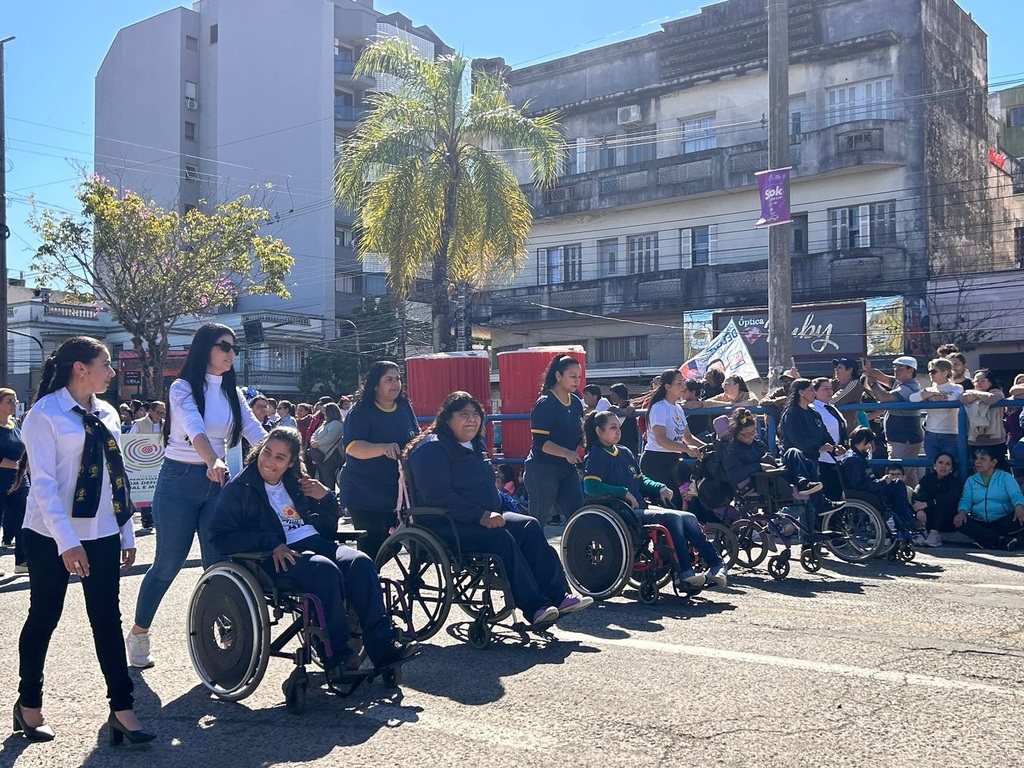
<point x="431" y="378"/>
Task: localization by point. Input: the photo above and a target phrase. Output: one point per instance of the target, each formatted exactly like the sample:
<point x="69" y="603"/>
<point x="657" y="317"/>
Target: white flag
<point x="727" y="351"/>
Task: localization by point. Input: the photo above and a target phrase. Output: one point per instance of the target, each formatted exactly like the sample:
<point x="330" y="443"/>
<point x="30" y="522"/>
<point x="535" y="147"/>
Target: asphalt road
<point x="875" y="665"/>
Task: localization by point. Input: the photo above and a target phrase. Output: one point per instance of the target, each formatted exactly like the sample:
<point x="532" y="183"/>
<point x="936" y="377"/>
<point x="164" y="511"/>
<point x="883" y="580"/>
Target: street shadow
<point x="993" y="558"/>
<point x="199" y="729"/>
<point x="479" y="675"/>
<point x="883" y="569"/>
<point x="798" y="583"/>
<point x="619" y="620"/>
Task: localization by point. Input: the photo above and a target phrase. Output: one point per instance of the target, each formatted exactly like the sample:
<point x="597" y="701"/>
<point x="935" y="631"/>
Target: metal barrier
<point x="772" y="427"/>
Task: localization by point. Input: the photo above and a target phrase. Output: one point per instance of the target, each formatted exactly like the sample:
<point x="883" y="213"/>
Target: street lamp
<point x="42" y="355"/>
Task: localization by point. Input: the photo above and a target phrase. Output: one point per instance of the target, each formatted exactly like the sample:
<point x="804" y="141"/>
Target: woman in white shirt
<point x="835" y="424"/>
<point x="940" y="428"/>
<point x="206" y="415"/>
<point x="77" y="523"/>
<point x="668" y="437"/>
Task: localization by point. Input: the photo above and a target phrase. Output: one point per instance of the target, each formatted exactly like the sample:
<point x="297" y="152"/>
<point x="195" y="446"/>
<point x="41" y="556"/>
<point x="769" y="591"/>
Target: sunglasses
<point x="935" y="370"/>
<point x="227" y="346"/>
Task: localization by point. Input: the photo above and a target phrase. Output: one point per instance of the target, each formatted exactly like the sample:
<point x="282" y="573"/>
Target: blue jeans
<point x="685" y="530"/>
<point x="552" y="485"/>
<point x="183" y="503"/>
<point x="937" y="442"/>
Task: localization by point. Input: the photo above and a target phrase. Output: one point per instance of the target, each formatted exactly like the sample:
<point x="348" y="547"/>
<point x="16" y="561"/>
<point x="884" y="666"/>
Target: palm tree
<point x="426" y="174"/>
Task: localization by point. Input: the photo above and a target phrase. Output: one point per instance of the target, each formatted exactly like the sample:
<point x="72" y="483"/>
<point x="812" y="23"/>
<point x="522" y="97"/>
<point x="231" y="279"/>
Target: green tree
<point x="429" y="188"/>
<point x="151" y="267"/>
<point x="329" y="372"/>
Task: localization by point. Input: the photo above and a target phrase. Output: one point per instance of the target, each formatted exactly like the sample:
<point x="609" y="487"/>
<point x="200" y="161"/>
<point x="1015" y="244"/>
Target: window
<point x="699" y="134"/>
<point x="1018" y="246"/>
<point x="344" y="283"/>
<point x="214" y="34"/>
<point x="375" y="284"/>
<point x="623" y="349"/>
<point x="798" y="233"/>
<point x="190" y="131"/>
<point x="862" y="226"/>
<point x="191" y="43"/>
<point x="191" y="171"/>
<point x="606" y="153"/>
<point x="1015" y="116"/>
<point x="191" y="95"/>
<point x="643" y="253"/>
<point x="797" y="107"/>
<point x="641" y="145"/>
<point x="342" y="236"/>
<point x="870" y="100"/>
<point x="608" y="256"/>
<point x="564" y="264"/>
<point x="697" y="245"/>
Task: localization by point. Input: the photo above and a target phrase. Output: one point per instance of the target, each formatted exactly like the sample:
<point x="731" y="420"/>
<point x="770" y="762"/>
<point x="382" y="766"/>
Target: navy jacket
<point x="741" y="460"/>
<point x="802" y="428"/>
<point x="855" y="471"/>
<point x="245" y="521"/>
<point x="447" y="474"/>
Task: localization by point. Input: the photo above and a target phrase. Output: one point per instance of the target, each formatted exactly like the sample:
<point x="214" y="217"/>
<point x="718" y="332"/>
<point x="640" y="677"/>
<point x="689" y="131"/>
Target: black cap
<point x="848" y="362"/>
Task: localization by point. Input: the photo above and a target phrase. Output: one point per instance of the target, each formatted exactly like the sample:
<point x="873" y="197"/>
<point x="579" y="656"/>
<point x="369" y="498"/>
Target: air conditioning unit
<point x="629" y="115"/>
<point x="190" y="103"/>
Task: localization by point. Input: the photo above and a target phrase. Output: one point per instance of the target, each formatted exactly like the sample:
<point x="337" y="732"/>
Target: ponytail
<point x="594" y="421"/>
<point x="59" y="365"/>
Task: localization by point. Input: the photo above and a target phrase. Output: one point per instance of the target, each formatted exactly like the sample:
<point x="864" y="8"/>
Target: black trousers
<point x="12" y="510"/>
<point x="991" y="535"/>
<point x="48" y="585"/>
<point x="377" y="524"/>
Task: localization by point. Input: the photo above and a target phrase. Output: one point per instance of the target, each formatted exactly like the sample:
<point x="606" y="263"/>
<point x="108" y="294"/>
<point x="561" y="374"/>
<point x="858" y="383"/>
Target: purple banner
<point x="773" y="188"/>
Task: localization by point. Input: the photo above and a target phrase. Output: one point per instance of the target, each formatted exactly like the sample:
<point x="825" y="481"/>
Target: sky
<point x="51" y="66"/>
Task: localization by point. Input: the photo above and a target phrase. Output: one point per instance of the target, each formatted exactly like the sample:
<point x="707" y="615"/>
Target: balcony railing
<point x="349" y="114"/>
<point x="344" y="66"/>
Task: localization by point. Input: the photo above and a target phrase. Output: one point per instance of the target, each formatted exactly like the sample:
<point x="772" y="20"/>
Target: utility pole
<point x="780" y="268"/>
<point x="5" y="232"/>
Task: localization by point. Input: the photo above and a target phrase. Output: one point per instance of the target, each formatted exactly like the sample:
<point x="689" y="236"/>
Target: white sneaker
<point x="934" y="539"/>
<point x="721" y="575"/>
<point x="920" y="541"/>
<point x="20" y="568"/>
<point x="137" y="646"/>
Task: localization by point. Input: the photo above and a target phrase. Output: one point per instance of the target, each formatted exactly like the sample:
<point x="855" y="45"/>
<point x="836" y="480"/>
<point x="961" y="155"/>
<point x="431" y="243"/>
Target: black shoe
<point x="40" y="733"/>
<point x="8" y="543"/>
<point x="118" y="733"/>
<point x="809" y="486"/>
<point x="1012" y="544"/>
<point x="395" y="651"/>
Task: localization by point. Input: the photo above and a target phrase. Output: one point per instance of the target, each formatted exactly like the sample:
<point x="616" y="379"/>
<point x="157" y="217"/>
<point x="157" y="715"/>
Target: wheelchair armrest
<point x="426" y="511"/>
<point x="343" y="536"/>
<point x="251" y="555"/>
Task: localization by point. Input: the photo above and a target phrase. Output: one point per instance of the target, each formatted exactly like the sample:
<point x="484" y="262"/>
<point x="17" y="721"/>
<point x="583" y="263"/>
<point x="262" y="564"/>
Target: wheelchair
<point x="231" y="614"/>
<point x="434" y="576"/>
<point x="606" y="546"/>
<point x="853" y="533"/>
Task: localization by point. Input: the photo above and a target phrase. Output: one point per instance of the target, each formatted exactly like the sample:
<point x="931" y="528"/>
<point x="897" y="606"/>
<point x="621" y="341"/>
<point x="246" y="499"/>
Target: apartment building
<point x="646" y="246"/>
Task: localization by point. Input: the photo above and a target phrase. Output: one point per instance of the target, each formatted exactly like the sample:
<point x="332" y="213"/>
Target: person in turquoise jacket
<point x="991" y="509"/>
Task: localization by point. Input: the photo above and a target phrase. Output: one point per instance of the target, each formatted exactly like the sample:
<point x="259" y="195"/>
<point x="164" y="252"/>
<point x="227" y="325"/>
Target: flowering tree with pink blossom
<point x="149" y="267"/>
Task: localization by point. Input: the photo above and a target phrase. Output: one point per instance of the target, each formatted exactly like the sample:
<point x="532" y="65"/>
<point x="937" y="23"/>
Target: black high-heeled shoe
<point x="117" y="733"/>
<point x="39" y="733"/>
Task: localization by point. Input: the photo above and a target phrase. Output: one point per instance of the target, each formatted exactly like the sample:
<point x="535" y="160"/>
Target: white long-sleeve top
<point x="54" y="438"/>
<point x="186" y="422"/>
<point x="942" y="421"/>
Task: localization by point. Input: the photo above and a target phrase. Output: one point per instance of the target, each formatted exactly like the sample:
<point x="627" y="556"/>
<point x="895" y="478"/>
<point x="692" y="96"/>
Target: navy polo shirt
<point x="561" y="423"/>
<point x="372" y="484"/>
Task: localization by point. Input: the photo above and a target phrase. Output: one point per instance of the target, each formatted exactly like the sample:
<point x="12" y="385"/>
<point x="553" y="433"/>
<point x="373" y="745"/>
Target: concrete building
<point x="198" y="106"/>
<point x="646" y="246"/>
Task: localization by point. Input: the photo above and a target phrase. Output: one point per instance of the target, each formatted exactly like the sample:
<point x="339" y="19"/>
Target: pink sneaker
<point x="572" y="604"/>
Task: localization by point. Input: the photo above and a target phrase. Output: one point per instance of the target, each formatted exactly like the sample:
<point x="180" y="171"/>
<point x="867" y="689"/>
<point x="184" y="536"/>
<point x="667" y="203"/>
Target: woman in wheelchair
<point x="272" y="506"/>
<point x="745" y="454"/>
<point x="612" y="470"/>
<point x="450" y="469"/>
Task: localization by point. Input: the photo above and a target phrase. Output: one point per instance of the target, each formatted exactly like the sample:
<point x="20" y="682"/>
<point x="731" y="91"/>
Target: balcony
<point x="837" y="147"/>
<point x="350" y="115"/>
<point x="344" y="69"/>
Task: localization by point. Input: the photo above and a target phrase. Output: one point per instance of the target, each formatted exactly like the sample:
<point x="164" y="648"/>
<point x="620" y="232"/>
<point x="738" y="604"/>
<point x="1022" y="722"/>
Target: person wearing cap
<point x="847" y="388"/>
<point x="903" y="429"/>
<point x="940" y="429"/>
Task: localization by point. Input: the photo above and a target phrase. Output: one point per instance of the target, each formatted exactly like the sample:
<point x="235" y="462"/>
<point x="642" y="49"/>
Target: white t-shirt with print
<point x="294" y="528"/>
<point x="671" y="417"/>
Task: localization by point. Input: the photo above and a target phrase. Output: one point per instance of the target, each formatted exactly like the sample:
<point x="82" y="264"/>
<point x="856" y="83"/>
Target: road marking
<point x="785" y="662"/>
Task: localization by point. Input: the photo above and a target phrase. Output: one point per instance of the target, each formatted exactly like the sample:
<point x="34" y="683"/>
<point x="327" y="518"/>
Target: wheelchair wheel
<point x="723" y="540"/>
<point x="858" y="529"/>
<point x="416" y="559"/>
<point x="810" y="559"/>
<point x="480" y="633"/>
<point x="295" y="691"/>
<point x="483" y="584"/>
<point x="229" y="631"/>
<point x="648" y="591"/>
<point x="778" y="566"/>
<point x="597" y="551"/>
<point x="751" y="543"/>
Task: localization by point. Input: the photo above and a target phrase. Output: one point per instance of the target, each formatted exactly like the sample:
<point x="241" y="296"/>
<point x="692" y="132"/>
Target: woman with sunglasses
<point x="940" y="428"/>
<point x="13" y="480"/>
<point x="206" y="415"/>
